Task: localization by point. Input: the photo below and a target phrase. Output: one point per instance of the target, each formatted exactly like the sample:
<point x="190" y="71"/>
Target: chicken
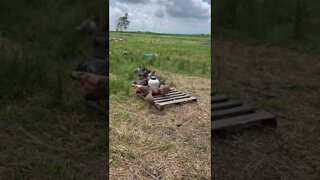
<point x="149" y="98"/>
<point x="144" y="90"/>
<point x="164" y="89"/>
<point x="96" y="86"/>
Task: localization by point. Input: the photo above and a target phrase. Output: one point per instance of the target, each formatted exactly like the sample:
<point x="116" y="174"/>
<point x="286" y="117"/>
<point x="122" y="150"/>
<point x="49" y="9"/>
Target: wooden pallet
<point x="173" y="97"/>
<point x="227" y="114"/>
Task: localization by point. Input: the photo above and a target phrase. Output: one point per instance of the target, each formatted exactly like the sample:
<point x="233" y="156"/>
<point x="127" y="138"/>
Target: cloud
<point x="196" y="9"/>
<point x="134" y="1"/>
<point x="164" y="16"/>
<point x="159" y="13"/>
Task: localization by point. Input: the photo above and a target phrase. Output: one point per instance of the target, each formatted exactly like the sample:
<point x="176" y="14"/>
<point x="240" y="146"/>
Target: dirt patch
<point x="146" y="143"/>
<point x="280" y="81"/>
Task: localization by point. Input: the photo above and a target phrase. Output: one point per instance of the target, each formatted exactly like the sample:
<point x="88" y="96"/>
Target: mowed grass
<point x="147" y="143"/>
<point x="184" y="54"/>
<point x="45" y="130"/>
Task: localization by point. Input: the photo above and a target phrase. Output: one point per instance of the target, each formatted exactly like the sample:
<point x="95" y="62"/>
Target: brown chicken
<point x="96" y="86"/>
<point x="144" y="90"/>
<point x="149" y="98"/>
<point x="164" y="89"/>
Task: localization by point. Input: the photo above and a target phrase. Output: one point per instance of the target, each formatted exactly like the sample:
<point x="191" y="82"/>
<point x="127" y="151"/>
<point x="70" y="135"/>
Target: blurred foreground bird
<point x="96" y="86"/>
<point x="89" y="26"/>
<point x="95" y="66"/>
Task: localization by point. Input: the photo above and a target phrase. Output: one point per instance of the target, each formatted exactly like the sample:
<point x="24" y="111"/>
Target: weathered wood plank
<point x="177" y="101"/>
<point x="225" y="105"/>
<point x="168" y="95"/>
<point x="218" y="98"/>
<point x="261" y="116"/>
<point x="172" y="98"/>
<point x="231" y="112"/>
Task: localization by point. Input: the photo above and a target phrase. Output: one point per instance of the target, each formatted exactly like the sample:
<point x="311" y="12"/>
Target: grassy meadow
<point x="185" y="54"/>
<point x="148" y="143"/>
<point x="46" y="131"/>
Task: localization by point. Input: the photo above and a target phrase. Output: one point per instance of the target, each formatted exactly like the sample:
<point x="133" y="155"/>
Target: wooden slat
<point x="168" y="95"/>
<point x="231" y="112"/>
<point x="173" y="90"/>
<point x="160" y="97"/>
<point x="241" y="120"/>
<point x="218" y="98"/>
<point x="176" y="101"/>
<point x="225" y="105"/>
<point x="171" y="96"/>
<point x="172" y="99"/>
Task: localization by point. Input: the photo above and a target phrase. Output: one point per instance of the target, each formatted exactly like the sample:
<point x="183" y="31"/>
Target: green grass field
<point x="148" y="143"/>
<point x="185" y="54"/>
<point x="45" y="130"/>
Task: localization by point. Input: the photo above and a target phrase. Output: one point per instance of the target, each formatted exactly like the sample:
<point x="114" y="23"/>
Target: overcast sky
<point x="164" y="16"/>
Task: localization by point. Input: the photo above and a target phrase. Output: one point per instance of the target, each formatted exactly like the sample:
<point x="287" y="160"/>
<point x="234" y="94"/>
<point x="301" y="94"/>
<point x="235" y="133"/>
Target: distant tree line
<point x="271" y="20"/>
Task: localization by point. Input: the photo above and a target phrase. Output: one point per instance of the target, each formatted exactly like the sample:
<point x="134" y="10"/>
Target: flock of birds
<point x="141" y="84"/>
<point x="93" y="74"/>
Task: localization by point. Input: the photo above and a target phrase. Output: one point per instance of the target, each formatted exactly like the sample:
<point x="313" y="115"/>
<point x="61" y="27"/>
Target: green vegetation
<point x="122" y="23"/>
<point x="45" y="130"/>
<point x="283" y="22"/>
<point x="185" y="54"/>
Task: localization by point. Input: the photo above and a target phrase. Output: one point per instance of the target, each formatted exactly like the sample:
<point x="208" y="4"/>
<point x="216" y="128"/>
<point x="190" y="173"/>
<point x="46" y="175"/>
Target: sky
<point x="163" y="16"/>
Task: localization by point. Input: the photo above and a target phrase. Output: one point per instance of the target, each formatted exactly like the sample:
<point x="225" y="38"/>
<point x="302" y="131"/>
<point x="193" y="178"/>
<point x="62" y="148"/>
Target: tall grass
<point x="283" y="22"/>
<point x="43" y="127"/>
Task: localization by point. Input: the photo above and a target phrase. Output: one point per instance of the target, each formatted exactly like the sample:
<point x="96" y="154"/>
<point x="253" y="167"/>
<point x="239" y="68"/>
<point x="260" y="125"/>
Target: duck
<point x="143" y="73"/>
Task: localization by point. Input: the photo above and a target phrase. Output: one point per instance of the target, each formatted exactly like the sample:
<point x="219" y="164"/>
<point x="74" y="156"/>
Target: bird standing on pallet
<point x="149" y="85"/>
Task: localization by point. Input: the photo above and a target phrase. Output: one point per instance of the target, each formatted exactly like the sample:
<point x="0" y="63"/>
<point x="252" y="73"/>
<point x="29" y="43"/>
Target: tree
<point x="122" y="23"/>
